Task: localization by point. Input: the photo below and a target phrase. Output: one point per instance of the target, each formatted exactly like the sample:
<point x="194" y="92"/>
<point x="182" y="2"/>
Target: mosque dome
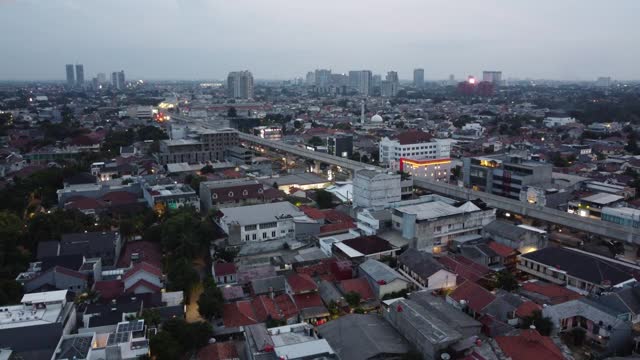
<point x="376" y="119"/>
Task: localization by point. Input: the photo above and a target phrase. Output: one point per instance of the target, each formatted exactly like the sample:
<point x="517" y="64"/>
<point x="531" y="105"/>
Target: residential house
<point x="103" y="245"/>
<point x="384" y="280"/>
<point x="426" y="272"/>
<point x="143" y="278"/>
<point x="544" y="293"/>
<point x="520" y="237"/>
<point x="575" y="269"/>
<point x="362" y="248"/>
<point x="294" y="342"/>
<point x="225" y="273"/>
<point x="529" y="345"/>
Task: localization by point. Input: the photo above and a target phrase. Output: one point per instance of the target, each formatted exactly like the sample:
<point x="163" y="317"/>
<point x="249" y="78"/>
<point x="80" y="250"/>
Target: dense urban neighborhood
<point x="331" y="216"/>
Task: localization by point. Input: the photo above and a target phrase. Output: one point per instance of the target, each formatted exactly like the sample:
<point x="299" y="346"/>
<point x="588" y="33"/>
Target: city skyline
<point x="541" y="40"/>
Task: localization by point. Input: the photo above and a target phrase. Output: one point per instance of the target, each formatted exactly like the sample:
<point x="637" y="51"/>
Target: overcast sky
<point x="279" y="39"/>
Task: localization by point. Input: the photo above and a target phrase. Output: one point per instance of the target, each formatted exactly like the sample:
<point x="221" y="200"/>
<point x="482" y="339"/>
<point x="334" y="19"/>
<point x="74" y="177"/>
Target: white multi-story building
<point x="261" y="222"/>
<point x="431" y="222"/>
<point x="373" y="189"/>
<point x="416" y="153"/>
<point x="273" y="133"/>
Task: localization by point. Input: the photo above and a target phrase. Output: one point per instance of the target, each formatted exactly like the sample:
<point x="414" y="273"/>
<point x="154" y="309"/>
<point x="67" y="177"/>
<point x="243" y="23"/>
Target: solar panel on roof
<point x="136" y="325"/>
<point x="118" y="338"/>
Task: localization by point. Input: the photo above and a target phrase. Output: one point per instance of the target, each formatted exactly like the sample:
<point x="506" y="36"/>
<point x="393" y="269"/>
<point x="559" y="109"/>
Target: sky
<point x="283" y="39"/>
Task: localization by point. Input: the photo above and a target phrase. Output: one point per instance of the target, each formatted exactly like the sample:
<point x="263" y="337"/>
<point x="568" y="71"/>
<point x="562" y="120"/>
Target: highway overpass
<point x="308" y="154"/>
<point x="597" y="227"/>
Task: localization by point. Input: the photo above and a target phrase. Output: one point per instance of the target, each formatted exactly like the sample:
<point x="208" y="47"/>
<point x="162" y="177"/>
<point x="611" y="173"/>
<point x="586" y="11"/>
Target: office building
<point x="431" y="222"/>
<point x="506" y="175"/>
<point x="36" y="324"/>
<point x="273" y="132"/>
<point x="418" y="78"/>
<point x="415" y="145"/>
<point x="376" y="81"/>
<point x="71" y="79"/>
<point x="240" y="85"/>
<point x="102" y="78"/>
<point x="493" y="77"/>
<point x="340" y="145"/>
<point x="201" y="146"/>
<point x="79" y="75"/>
<point x="310" y="79"/>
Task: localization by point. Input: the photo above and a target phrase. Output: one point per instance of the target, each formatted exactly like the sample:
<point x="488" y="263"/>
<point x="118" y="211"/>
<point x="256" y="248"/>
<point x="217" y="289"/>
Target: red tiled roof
<point x="237" y="192"/>
<point x="238" y="314"/>
<point x="305" y="301"/>
<point x="286" y="305"/>
<point x="312" y="212"/>
<point x="265" y="307"/>
<point x="145" y="283"/>
<point x="337" y="227"/>
<point x="529" y="345"/>
<point x="527" y="308"/>
<point x="301" y="283"/>
<point x="109" y="289"/>
<point x="222" y="269"/>
<point x="358" y="285"/>
<point x="413" y="137"/>
<point x="231" y="174"/>
<point x="143" y="266"/>
<point x="557" y="294"/>
<point x="120" y="198"/>
<point x="218" y="351"/>
<point x="500" y="249"/>
<point x="83" y="203"/>
<point x="465" y="268"/>
<point x="476" y="297"/>
<point x="147" y="252"/>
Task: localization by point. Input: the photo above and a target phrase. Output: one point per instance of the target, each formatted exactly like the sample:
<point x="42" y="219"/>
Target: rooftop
<point x="299" y="179"/>
<point x="436" y="209"/>
<point x="602" y="198"/>
<point x="261" y="213"/>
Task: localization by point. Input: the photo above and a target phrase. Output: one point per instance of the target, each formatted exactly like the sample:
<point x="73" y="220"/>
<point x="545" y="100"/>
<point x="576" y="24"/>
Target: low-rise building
<point x="624" y="216"/>
<point x="233" y="192"/>
<point x="361" y="248"/>
<point x="294" y="342"/>
<point x="376" y="189"/>
<point x="204" y="145"/>
<point x="593" y="205"/>
<point x="260" y="222"/>
<point x="383" y="279"/>
<point x="523" y="238"/>
<point x="577" y="270"/>
<point x="425" y="271"/>
<point x="431" y="222"/>
<point x="170" y="195"/>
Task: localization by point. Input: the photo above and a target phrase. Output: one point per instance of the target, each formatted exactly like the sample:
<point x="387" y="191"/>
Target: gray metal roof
<point x="360" y="337"/>
<point x="263" y="286"/>
<point x="420" y="262"/>
<point x="380" y="271"/>
<point x="444" y="311"/>
<point x="261" y="213"/>
<point x="505" y="229"/>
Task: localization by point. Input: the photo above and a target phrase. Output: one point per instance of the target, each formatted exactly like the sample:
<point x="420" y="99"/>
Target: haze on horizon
<point x="283" y="39"/>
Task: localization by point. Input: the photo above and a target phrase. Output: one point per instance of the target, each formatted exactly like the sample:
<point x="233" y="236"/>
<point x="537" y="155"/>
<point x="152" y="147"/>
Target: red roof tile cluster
<point x="500" y="249"/>
<point x="358" y="285"/>
<point x="109" y="289"/>
<point x="239" y="313"/>
<point x="222" y="269"/>
<point x="529" y="345"/>
<point x="301" y="283"/>
<point x="218" y="351"/>
<point x="476" y="297"/>
<point x="527" y="309"/>
<point x="465" y="268"/>
<point x="413" y="137"/>
<point x="556" y="294"/>
<point x="335" y="221"/>
<point x="143" y="266"/>
<point x="306" y="301"/>
<point x="143" y="283"/>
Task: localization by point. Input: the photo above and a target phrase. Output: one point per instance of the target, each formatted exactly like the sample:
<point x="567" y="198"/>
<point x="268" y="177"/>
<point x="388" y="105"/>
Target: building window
<point x="246" y="237"/>
<point x="230" y="193"/>
<point x="264" y="235"/>
<point x="214" y="196"/>
<point x="260" y="191"/>
<point x="254" y="236"/>
<point x="245" y="192"/>
<point x="273" y="234"/>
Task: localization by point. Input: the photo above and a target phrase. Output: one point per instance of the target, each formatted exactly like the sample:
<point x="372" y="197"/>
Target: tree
<point x="211" y="301"/>
<point x="165" y="347"/>
<point x="505" y="280"/>
<point x="185" y="234"/>
<point x="315" y="141"/>
<point x="353" y="299"/>
<point x="632" y="143"/>
<point x="151" y="132"/>
<point x="324" y="199"/>
<point x="297" y="124"/>
<point x="208" y="169"/>
<point x="544" y="325"/>
<point x="151" y="317"/>
<point x="232" y="112"/>
<point x="182" y="276"/>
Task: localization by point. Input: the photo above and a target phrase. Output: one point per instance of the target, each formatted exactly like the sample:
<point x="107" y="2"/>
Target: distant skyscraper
<point x="118" y="80"/>
<point x="311" y="78"/>
<point x="71" y="79"/>
<point x="102" y="78"/>
<point x="361" y="80"/>
<point x="79" y="75"/>
<point x="392" y="76"/>
<point x="376" y="80"/>
<point x="240" y="85"/>
<point x="494" y="77"/>
<point x="322" y="78"/>
<point x="452" y="80"/>
<point x="389" y="88"/>
<point x="418" y="78"/>
<point x="603" y="81"/>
